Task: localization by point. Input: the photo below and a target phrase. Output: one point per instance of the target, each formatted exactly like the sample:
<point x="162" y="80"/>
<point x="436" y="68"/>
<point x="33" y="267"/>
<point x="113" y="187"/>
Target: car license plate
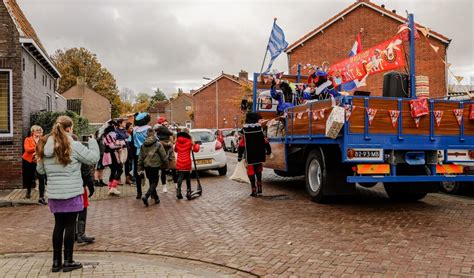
<point x="367" y="154"/>
<point x="203" y="161"/>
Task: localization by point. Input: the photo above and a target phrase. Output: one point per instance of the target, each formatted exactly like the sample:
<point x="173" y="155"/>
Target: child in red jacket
<point x="184" y="146"/>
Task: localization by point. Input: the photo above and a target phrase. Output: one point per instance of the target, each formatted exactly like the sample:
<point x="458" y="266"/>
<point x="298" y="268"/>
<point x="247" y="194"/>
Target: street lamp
<point x="217" y="102"/>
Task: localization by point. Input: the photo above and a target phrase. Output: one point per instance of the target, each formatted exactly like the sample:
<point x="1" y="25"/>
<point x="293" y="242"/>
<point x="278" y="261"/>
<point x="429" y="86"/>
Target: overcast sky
<point x="147" y="44"/>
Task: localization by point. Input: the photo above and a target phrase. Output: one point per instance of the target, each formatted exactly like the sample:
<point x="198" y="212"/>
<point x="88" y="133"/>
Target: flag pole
<point x="266" y="49"/>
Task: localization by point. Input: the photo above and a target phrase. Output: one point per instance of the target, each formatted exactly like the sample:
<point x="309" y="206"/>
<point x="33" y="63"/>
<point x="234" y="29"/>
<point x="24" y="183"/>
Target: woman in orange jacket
<point x="29" y="164"/>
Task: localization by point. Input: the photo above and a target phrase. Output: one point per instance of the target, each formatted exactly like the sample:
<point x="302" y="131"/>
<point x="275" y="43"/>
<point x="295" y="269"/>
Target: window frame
<point x="49" y="103"/>
<point x="10" y="103"/>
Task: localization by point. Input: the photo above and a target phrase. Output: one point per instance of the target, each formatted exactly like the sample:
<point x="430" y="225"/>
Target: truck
<point x="411" y="158"/>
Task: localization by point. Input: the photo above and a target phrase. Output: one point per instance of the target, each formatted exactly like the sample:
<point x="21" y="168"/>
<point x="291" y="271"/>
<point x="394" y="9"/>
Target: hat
<point x="252" y="118"/>
<point x="141" y="116"/>
<point x="161" y="120"/>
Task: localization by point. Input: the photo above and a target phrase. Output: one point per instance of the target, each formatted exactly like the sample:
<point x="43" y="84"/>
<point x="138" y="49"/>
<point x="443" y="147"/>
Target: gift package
<point x="335" y="122"/>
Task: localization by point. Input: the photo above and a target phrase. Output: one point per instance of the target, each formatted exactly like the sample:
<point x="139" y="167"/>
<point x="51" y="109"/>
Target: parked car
<point x="221" y="134"/>
<point x="231" y="141"/>
<point x="211" y="155"/>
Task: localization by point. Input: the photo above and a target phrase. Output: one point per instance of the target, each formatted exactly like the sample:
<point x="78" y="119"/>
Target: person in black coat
<point x="255" y="147"/>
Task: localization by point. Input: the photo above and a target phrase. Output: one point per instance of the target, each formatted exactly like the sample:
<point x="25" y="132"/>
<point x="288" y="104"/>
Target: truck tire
<point x="406" y="192"/>
<point x="400" y="192"/>
<point x="452" y="187"/>
<point x="315" y="177"/>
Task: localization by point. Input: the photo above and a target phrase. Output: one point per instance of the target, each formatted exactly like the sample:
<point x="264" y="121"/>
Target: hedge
<point x="47" y="119"/>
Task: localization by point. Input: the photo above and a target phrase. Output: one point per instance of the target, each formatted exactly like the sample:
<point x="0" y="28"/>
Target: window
<point x="23" y="63"/>
<point x="6" y="108"/>
<point x="34" y="70"/>
<point x="48" y="103"/>
<point x="50" y="84"/>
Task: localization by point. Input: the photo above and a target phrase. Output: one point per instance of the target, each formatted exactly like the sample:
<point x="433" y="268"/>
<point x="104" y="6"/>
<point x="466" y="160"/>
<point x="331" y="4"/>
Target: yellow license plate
<point x="203" y="161"/>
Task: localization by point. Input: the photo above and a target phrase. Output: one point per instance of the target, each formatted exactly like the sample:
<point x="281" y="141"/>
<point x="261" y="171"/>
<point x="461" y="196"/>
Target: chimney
<point x="383" y="6"/>
<point x="80" y="81"/>
<point x="243" y="75"/>
<point x="394" y="11"/>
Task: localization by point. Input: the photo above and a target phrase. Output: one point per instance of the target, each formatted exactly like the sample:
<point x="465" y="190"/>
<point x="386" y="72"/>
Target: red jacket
<point x="183" y="147"/>
<point x="30" y="148"/>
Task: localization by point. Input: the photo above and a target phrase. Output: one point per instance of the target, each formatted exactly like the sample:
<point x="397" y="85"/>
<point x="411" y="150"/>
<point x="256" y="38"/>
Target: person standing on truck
<point x="255" y="146"/>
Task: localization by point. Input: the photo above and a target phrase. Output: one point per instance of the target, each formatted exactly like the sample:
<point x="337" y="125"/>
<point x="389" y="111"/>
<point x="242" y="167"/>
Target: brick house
<point x="178" y="110"/>
<point x="226" y="91"/>
<point x="333" y="39"/>
<point x="28" y="81"/>
<point x="157" y="110"/>
<point x="88" y="103"/>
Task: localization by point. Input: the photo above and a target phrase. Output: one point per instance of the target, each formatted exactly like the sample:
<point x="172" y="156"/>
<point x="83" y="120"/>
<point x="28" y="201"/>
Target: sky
<point x="166" y="44"/>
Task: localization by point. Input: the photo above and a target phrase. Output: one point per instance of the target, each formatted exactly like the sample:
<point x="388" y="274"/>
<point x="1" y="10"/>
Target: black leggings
<point x="116" y="168"/>
<point x="184" y="175"/>
<point x="165" y="172"/>
<point x="29" y="177"/>
<point x="64" y="230"/>
<point x="138" y="178"/>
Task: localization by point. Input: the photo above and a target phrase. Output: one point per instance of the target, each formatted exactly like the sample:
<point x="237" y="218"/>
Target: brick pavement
<point x="289" y="235"/>
<point x="111" y="264"/>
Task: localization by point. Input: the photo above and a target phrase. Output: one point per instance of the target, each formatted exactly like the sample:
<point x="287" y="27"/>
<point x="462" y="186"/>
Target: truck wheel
<point x="400" y="192"/>
<point x="222" y="171"/>
<point x="406" y="192"/>
<point x="315" y="177"/>
<point x="452" y="187"/>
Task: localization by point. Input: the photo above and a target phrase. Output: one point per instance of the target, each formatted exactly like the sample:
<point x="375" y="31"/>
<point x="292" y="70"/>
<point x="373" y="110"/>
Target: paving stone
<point x="366" y="235"/>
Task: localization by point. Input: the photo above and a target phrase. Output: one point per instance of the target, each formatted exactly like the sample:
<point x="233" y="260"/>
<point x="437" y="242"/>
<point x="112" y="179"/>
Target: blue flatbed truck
<point x="411" y="161"/>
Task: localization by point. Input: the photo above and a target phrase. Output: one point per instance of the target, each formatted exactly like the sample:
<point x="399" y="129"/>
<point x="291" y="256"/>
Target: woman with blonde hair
<point x="29" y="164"/>
<point x="60" y="158"/>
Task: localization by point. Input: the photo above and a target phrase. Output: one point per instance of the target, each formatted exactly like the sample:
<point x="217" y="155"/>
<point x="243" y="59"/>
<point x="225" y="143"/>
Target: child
<point x="166" y="139"/>
<point x="87" y="179"/>
<point x="184" y="145"/>
<point x="152" y="156"/>
<point x="111" y="156"/>
<point x="255" y="146"/>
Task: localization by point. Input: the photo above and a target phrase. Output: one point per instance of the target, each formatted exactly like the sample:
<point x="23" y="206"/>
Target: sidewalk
<point x="17" y="197"/>
<point x="116" y="264"/>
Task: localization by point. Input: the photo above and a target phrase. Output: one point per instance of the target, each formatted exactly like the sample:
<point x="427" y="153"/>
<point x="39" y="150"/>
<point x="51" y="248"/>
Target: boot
<point x="165" y="188"/>
<point x="102" y="183"/>
<point x="128" y="180"/>
<point x="145" y="200"/>
<point x="254" y="191"/>
<point x="259" y="188"/>
<point x="57" y="261"/>
<point x="97" y="183"/>
<point x="157" y="199"/>
<point x="179" y="196"/>
<point x="81" y="236"/>
<point x="114" y="187"/>
<point x="189" y="194"/>
<point x="69" y="263"/>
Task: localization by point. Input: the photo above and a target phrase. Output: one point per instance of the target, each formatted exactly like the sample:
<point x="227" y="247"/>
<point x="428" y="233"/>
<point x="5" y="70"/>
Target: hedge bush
<point x="46" y="120"/>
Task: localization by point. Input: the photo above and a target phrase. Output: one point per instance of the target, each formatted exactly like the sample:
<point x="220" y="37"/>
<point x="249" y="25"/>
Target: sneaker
<point x="115" y="191"/>
<point x="179" y="196"/>
<point x="165" y="189"/>
<point x="28" y="196"/>
<point x="157" y="201"/>
<point x="42" y="201"/>
<point x="253" y="194"/>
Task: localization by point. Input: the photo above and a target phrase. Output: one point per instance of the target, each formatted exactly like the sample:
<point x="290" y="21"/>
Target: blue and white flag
<point x="354" y="84"/>
<point x="276" y="45"/>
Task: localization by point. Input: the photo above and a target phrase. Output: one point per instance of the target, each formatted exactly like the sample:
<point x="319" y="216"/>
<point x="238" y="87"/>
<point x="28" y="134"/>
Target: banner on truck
<point x="383" y="57"/>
